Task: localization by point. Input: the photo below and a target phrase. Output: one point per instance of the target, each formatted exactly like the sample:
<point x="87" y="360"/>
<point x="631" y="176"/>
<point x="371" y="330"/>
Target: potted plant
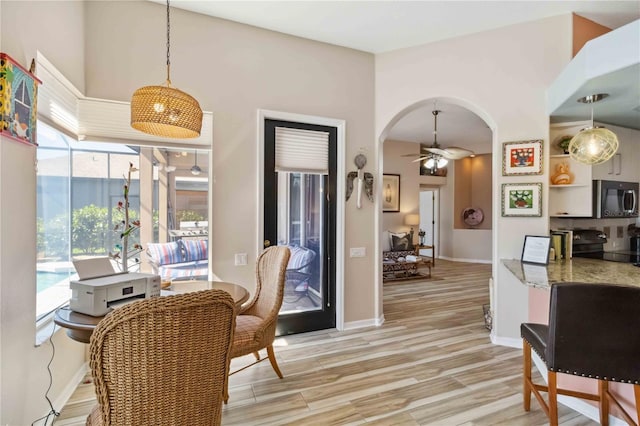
<point x="125" y="228"/>
<point x="563" y="143"/>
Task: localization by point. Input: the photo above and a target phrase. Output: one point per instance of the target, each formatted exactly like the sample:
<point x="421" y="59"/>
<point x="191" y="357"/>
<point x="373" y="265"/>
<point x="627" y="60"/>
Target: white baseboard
<point x="506" y="341"/>
<point x="373" y="322"/>
<point x="457" y="259"/>
<point x="68" y="390"/>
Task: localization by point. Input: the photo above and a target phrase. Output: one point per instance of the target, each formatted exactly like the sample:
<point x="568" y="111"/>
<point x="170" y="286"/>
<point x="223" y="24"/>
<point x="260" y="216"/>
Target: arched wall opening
<point x="491" y="153"/>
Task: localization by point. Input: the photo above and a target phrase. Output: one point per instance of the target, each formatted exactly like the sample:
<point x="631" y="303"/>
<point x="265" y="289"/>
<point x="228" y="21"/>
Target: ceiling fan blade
<point x="419" y="159"/>
<point x="438" y="151"/>
<point x="410" y="155"/>
<point x="452" y="153"/>
<point x="457" y="153"/>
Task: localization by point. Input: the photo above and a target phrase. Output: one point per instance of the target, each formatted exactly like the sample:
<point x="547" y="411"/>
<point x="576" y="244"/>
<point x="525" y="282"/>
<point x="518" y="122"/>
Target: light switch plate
<point x="357" y="252"/>
<point x="240" y="259"/>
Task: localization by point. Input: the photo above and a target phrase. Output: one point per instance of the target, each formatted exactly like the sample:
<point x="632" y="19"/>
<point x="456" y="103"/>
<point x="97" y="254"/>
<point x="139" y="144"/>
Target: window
<point x="78" y="188"/>
<point x="79" y="185"/>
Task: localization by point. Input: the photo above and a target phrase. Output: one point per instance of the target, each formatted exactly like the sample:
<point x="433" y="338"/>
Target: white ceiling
<point x="381" y="26"/>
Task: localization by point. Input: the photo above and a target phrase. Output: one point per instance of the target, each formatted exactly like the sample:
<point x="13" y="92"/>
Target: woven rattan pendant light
<point x="164" y="110"/>
<point x="595" y="144"/>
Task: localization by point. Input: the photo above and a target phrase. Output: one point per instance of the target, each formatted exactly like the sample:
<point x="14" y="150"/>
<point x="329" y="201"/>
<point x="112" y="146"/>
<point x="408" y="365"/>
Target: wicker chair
<point x="592" y="332"/>
<point x="256" y="324"/>
<point x="163" y="361"/>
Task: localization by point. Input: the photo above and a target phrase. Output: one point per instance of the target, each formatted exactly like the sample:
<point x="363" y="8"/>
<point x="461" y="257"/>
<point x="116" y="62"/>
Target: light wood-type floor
<point x="431" y="362"/>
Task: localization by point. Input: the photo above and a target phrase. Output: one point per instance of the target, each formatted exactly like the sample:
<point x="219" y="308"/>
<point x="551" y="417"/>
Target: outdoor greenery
<point x="91" y="231"/>
<point x="189" y="216"/>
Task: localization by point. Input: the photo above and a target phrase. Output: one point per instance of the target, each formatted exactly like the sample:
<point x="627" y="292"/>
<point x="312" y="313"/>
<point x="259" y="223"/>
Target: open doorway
<point x="429" y="222"/>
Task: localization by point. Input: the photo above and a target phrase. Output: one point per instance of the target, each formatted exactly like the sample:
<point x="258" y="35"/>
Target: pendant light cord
<point x="168" y="46"/>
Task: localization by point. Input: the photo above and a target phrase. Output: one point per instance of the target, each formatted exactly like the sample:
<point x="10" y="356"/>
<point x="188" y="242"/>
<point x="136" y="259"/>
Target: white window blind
<point x="57" y="98"/>
<point x="302" y="151"/>
<point x="63" y="106"/>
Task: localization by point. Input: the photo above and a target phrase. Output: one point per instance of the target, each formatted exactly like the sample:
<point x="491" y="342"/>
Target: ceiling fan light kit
<point x="437" y="157"/>
<point x="164" y="110"/>
<point x="594" y="144"/>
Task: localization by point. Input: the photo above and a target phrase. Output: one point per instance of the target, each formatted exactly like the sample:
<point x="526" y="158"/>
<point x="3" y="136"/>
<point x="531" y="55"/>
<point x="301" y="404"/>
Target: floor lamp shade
<point x="166" y="111"/>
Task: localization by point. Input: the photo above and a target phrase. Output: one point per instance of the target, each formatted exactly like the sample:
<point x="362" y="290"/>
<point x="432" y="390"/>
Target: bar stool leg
<point x="553" y="399"/>
<point x="636" y="391"/>
<point x="526" y="375"/>
<point x="603" y="390"/>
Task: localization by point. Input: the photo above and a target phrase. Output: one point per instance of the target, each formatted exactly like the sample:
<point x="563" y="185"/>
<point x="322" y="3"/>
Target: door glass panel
<point x="300" y="226"/>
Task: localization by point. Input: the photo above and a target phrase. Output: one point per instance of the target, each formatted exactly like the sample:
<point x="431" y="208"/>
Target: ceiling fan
<point x="437" y="156"/>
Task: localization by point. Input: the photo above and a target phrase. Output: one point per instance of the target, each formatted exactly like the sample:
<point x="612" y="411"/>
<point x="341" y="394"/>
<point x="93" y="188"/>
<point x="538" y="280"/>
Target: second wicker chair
<point x="256" y="324"/>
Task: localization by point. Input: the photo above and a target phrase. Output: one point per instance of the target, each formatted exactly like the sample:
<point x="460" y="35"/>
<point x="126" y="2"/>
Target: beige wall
<point x="501" y="75"/>
<point x="395" y="163"/>
<point x="233" y="70"/>
<point x="56" y="30"/>
<point x="473" y="189"/>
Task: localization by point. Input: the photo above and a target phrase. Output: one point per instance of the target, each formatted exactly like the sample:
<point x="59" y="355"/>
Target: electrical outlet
<point x="357" y="251"/>
<point x="620" y="231"/>
<point x="607" y="231"/>
<point x="240" y="259"/>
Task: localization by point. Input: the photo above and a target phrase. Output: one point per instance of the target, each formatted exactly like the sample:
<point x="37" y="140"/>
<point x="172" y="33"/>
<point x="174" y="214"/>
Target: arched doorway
<point x="466" y="184"/>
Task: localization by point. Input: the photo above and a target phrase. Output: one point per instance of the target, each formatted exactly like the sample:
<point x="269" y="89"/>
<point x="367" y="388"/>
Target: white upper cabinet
<point x="625" y="164"/>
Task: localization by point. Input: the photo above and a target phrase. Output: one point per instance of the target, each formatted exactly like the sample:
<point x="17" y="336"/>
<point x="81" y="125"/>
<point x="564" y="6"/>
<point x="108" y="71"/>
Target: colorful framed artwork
<point x="390" y="193"/>
<point x="18" y="96"/>
<point x="522" y="158"/>
<point x="521" y="199"/>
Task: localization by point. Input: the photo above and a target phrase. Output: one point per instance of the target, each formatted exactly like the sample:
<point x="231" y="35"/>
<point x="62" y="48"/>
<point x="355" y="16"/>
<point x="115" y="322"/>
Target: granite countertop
<point x="574" y="270"/>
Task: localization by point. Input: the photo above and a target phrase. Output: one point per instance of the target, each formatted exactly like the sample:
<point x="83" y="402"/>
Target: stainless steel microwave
<point x="613" y="199"/>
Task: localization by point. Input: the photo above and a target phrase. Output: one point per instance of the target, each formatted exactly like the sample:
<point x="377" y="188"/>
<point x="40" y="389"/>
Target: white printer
<point x="99" y="295"/>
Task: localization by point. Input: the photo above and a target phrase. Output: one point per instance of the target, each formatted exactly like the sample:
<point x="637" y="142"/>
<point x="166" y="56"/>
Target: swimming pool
<point x="49" y="279"/>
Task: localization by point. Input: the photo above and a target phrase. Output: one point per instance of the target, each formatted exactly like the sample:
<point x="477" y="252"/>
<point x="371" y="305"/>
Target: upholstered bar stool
<point x="593" y="331"/>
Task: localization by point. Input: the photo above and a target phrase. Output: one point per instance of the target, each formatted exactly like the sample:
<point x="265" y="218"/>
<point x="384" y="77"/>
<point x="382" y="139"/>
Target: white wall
<point x="57" y="30"/>
<point x="502" y="76"/>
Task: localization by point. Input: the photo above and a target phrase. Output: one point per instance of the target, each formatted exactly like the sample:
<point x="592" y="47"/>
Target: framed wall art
<point x="18" y="96"/>
<point x="521" y="199"/>
<point x="522" y="158"/>
<point x="390" y="193"/>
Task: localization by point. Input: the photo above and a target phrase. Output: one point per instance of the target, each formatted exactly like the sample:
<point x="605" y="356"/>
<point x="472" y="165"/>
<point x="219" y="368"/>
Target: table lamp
<point x="412" y="220"/>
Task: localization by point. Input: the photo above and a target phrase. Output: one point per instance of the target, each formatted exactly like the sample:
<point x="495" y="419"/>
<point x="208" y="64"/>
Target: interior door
<point x="300" y="212"/>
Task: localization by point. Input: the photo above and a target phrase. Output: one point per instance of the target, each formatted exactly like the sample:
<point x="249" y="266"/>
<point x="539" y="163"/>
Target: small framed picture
<point x="521" y="199"/>
<point x="390" y="193"/>
<point x="536" y="249"/>
<point x="522" y="158"/>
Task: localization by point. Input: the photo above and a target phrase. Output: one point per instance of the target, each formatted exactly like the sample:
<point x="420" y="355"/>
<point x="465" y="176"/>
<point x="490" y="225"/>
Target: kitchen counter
<point x="574" y="270"/>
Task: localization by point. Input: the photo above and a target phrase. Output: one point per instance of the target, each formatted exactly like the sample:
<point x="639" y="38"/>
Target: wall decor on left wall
<point x="390" y="193"/>
<point x="18" y="101"/>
